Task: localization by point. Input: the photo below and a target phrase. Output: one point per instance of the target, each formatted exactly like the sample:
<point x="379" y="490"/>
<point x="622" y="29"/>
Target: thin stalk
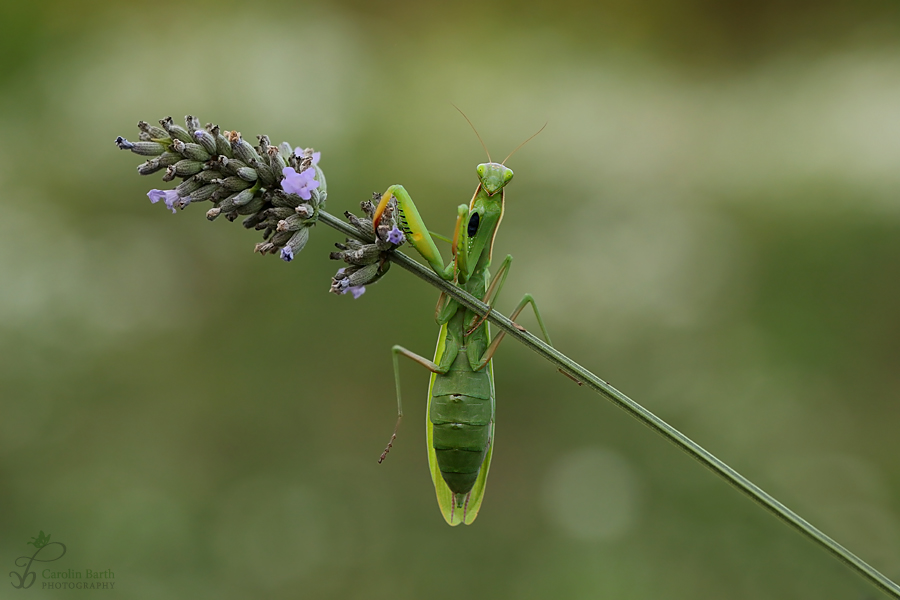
<point x="582" y="375"/>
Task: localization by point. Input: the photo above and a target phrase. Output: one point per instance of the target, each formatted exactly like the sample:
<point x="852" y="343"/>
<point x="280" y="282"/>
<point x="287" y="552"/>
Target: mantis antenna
<point x="476" y="131"/>
<point x="523" y="143"/>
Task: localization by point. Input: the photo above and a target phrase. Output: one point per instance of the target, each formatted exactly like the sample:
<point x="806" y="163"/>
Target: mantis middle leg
<point x="395" y="352"/>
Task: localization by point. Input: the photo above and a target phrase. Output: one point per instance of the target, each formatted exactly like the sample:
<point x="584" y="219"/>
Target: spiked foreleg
<point x="416" y="232"/>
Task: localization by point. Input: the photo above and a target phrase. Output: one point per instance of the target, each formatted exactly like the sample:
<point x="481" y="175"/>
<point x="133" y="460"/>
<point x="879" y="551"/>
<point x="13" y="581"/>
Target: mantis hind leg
<point x="395" y="351"/>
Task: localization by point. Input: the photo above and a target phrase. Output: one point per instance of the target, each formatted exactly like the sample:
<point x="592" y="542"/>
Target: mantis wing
<point x="452" y="515"/>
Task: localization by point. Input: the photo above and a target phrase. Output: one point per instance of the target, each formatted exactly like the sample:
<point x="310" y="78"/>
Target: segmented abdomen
<point x="461" y="413"/>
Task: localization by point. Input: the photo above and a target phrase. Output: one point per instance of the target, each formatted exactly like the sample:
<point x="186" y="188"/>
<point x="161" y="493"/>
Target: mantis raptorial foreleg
<point x="417" y="233"/>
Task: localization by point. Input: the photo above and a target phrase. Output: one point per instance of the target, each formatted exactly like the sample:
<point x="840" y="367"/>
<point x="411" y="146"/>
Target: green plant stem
<point x="582" y="375"/>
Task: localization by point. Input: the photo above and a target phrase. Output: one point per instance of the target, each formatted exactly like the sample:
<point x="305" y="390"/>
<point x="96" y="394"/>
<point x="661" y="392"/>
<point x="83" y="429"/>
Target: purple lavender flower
<point x="167" y="196"/>
<point x="299" y="183"/>
<point x="356" y="290"/>
<point x="395" y="236"/>
<point x="287" y="254"/>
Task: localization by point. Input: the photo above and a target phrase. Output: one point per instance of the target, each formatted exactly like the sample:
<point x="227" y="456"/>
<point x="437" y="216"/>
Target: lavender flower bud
<point x="350" y="244"/>
<point x="266" y="175"/>
<point x="191" y="122"/>
<point x="233" y="183"/>
<point x="232" y="165"/>
<point x="168" y="158"/>
<point x="355" y="278"/>
<point x="191" y="151"/>
<point x="265" y="248"/>
<point x="366" y="255"/>
<point x="175" y="131"/>
<point x="232" y="202"/>
<point x="276" y="160"/>
<point x="186" y="168"/>
<point x="204" y="193"/>
<point x="264" y="144"/>
<point x="280" y="238"/>
<point x="223" y="147"/>
<point x="252" y="207"/>
<point x="208" y="176"/>
<point x="282" y="200"/>
<point x="368" y="207"/>
<point x="152" y="131"/>
<point x="279" y="212"/>
<point x="149" y="167"/>
<point x="243" y="197"/>
<point x="221" y="193"/>
<point x="364" y="225"/>
<point x="291" y="223"/>
<point x="147" y="148"/>
<point x="188" y="186"/>
<point x="298" y="240"/>
<point x="252" y="221"/>
<point x="241" y="149"/>
<point x="142" y="148"/>
<point x="247" y="174"/>
<point x="205" y="139"/>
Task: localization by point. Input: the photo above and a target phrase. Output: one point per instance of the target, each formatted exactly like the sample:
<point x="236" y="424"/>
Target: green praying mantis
<point x="461" y="397"/>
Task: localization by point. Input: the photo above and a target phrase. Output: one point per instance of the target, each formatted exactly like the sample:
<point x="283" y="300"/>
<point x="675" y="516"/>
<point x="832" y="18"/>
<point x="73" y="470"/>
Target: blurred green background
<point x="710" y="220"/>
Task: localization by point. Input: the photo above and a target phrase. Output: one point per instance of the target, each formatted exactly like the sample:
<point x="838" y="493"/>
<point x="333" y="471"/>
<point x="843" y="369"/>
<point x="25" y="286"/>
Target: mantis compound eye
<point x="473" y="224"/>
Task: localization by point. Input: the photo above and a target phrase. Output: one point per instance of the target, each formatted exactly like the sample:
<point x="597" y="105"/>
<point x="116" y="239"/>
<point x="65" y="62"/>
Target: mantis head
<point x="494" y="176"/>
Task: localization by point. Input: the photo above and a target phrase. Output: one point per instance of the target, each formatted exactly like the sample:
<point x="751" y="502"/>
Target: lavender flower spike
<point x="395" y="236"/>
<point x="299" y="183"/>
<point x="170" y="197"/>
